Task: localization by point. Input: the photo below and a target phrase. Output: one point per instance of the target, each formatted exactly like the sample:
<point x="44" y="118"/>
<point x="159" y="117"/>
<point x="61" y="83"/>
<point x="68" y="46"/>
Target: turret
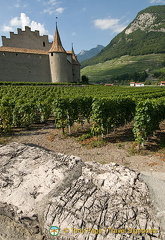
<point x="76" y="67"/>
<point x="58" y="60"/>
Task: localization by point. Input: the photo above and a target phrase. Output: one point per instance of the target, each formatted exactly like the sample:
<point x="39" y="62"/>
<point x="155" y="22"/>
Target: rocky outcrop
<point x="86" y="201"/>
<point x="142" y="22"/>
<point x="145" y="22"/>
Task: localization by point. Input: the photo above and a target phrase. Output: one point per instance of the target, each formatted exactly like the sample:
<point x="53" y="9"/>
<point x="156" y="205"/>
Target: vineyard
<point x="106" y="108"/>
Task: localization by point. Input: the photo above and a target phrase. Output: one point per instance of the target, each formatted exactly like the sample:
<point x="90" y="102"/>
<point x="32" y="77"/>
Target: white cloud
<point x="105" y="23"/>
<point x="52" y="2"/>
<point x="38" y="26"/>
<point x="23" y="21"/>
<point x="48" y="10"/>
<point x="50" y="37"/>
<point x="51" y="10"/>
<point x="59" y="10"/>
<point x="109" y="23"/>
<point x="157" y="1"/>
<point x="52" y="7"/>
<point x="7" y="29"/>
<point x="19" y="4"/>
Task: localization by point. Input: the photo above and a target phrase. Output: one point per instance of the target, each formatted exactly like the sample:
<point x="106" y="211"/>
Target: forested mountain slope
<point x="145" y="35"/>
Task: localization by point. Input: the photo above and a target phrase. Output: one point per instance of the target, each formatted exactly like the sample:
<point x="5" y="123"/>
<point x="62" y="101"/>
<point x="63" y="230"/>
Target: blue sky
<point x="85" y="23"/>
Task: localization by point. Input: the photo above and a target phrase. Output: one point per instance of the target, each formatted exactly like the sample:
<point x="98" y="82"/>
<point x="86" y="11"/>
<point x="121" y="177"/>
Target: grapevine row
<point x="148" y="115"/>
<point x="105" y="113"/>
<point x="24" y="106"/>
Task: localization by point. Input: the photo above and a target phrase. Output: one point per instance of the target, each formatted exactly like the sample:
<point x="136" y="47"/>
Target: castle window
<point x="43" y="44"/>
<point x="51" y="54"/>
<point x="16" y="54"/>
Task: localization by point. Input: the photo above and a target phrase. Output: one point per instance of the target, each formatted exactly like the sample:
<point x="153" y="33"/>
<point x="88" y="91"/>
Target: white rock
<point x="40" y="189"/>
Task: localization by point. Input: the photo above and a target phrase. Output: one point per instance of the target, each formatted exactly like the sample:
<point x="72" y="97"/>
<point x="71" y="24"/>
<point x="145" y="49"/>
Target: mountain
<point x="145" y="35"/>
<point x="84" y="54"/>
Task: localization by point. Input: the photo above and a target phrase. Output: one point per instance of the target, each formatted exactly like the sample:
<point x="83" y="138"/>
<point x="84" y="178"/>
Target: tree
<point x="84" y="79"/>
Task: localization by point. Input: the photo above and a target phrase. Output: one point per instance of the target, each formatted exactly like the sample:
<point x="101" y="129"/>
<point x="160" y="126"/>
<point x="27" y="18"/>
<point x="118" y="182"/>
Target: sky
<point x="85" y="23"/>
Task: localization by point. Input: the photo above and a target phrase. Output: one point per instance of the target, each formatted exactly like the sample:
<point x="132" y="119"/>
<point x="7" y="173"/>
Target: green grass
<point x="124" y="64"/>
<point x="84" y="136"/>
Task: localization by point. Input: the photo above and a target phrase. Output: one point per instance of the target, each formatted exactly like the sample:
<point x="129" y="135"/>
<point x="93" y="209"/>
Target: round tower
<point x="58" y="60"/>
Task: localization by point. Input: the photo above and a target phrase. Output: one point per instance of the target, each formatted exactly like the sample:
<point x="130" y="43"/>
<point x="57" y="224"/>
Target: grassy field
<point x="125" y="64"/>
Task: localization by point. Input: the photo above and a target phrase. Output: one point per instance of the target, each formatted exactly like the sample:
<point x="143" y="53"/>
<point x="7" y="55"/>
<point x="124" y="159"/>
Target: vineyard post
<point x="69" y="127"/>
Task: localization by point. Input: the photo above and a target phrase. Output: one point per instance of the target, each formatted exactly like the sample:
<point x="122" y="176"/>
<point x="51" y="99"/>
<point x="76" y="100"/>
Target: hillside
<point x="145" y="35"/>
<point x="127" y="68"/>
<point x="86" y="54"/>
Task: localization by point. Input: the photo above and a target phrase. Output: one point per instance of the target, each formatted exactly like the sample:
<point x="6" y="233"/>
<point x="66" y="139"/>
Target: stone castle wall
<point x="24" y="67"/>
<point x="27" y="39"/>
<point x="76" y="73"/>
<point x="70" y="71"/>
<point x="24" y="58"/>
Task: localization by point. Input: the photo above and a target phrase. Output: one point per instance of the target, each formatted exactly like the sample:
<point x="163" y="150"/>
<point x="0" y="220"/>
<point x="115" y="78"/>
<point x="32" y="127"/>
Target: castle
<point x="29" y="57"/>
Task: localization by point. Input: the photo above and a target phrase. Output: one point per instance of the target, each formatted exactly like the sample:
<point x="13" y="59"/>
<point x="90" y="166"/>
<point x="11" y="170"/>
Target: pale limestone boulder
<point x="87" y="201"/>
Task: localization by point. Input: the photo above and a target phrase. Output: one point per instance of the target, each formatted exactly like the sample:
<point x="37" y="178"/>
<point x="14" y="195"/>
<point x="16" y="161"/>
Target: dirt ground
<point x="119" y="147"/>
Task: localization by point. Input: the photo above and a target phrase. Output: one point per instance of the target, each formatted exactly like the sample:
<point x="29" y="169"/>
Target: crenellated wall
<point x="27" y="39"/>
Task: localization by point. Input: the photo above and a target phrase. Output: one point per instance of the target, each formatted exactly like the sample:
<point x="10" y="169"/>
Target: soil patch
<point x="117" y="147"/>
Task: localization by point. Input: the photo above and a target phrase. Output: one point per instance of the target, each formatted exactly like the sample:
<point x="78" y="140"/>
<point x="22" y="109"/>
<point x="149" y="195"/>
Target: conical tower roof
<point x="75" y="61"/>
<point x="57" y="45"/>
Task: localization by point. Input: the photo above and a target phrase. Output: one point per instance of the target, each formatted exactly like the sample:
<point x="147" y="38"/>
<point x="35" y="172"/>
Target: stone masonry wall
<point x="24" y="67"/>
<point x="27" y="39"/>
